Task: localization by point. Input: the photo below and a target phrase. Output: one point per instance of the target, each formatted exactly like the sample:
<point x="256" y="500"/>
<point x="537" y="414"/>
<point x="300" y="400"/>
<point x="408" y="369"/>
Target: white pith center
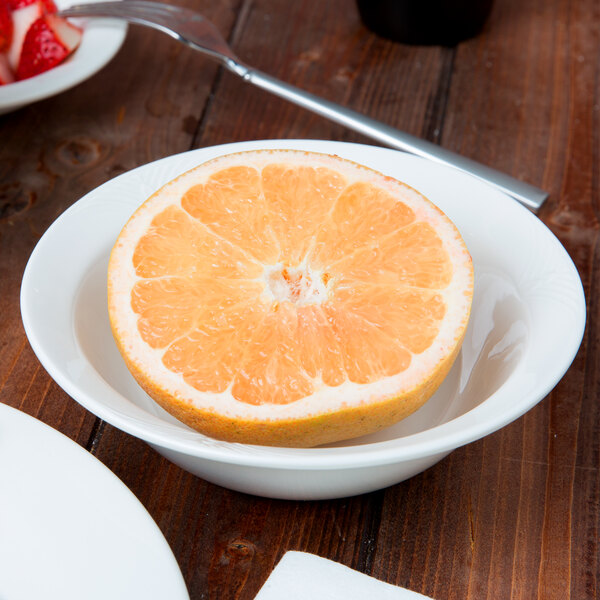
<point x="299" y="286"/>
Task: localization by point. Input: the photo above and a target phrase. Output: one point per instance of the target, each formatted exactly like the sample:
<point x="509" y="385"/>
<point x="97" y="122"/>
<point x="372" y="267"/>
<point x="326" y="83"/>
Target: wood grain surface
<point x="512" y="516"/>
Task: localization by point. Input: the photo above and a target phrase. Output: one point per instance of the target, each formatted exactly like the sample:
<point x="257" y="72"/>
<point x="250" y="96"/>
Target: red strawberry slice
<point x="6" y="74"/>
<point x="6" y="26"/>
<point x="22" y="19"/>
<point x="49" y="5"/>
<point x="48" y="42"/>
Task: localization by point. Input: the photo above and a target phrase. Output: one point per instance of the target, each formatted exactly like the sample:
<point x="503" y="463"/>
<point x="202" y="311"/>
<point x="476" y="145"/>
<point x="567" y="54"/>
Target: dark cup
<point x="427" y="22"/>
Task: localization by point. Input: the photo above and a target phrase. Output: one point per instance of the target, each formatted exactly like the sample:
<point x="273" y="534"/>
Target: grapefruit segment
<point x="410" y="316"/>
<point x="270" y="370"/>
<point x="369" y="353"/>
<point x="298" y="198"/>
<point x="345" y="230"/>
<point x="208" y="356"/>
<point x="288" y="298"/>
<point x="176" y="244"/>
<point x="231" y="204"/>
<point x="169" y="307"/>
<point x="320" y="354"/>
<point x="412" y="256"/>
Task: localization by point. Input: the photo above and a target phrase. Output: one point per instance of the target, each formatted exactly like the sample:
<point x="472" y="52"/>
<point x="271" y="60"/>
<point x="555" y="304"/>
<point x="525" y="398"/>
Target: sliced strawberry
<point x="6" y="26"/>
<point x="47" y="43"/>
<point x="22" y="19"/>
<point x="6" y="74"/>
<point x="49" y="5"/>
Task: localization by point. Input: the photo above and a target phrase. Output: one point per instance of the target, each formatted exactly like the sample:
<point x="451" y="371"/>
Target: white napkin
<point x="302" y="576"/>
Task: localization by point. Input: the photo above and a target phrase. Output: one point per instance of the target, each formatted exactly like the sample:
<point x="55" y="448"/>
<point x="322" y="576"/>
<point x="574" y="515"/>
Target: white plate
<point x="69" y="529"/>
<point x="101" y="40"/>
<point x="527" y="323"/>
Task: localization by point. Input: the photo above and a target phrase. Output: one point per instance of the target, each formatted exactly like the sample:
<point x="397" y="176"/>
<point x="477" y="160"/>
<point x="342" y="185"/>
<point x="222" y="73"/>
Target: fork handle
<point x="528" y="195"/>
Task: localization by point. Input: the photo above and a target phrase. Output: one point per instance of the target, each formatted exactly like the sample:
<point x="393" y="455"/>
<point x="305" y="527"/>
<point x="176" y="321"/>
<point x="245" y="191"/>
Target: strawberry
<point x="48" y="42"/>
<point x="24" y="13"/>
<point x="6" y="74"/>
<point x="49" y="5"/>
<point x="22" y="19"/>
<point x="6" y="26"/>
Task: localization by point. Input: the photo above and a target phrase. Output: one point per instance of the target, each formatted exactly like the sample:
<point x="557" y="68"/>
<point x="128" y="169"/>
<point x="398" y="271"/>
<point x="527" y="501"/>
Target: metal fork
<point x="200" y="34"/>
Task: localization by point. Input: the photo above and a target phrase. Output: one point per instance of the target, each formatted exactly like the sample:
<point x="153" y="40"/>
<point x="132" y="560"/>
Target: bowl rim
<point x="440" y="439"/>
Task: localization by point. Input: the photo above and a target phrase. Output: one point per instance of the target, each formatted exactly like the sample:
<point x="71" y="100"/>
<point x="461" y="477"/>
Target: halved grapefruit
<point x="288" y="298"/>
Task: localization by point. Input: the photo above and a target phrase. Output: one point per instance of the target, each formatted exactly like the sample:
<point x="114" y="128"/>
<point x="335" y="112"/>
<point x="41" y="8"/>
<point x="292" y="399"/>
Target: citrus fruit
<point x="288" y="298"/>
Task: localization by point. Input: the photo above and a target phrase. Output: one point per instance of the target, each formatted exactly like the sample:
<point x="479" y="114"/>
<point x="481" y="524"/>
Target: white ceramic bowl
<point x="527" y="323"/>
<point x="101" y="40"/>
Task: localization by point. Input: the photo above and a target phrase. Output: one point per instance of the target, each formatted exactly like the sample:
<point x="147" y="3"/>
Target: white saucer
<point x="526" y="325"/>
<point x="69" y="529"/>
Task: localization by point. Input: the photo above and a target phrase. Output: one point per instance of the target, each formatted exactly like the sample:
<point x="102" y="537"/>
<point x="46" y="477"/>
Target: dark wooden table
<point x="515" y="515"/>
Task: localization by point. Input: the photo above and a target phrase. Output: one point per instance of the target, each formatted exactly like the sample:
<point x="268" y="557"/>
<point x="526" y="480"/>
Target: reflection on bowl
<point x="526" y="326"/>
